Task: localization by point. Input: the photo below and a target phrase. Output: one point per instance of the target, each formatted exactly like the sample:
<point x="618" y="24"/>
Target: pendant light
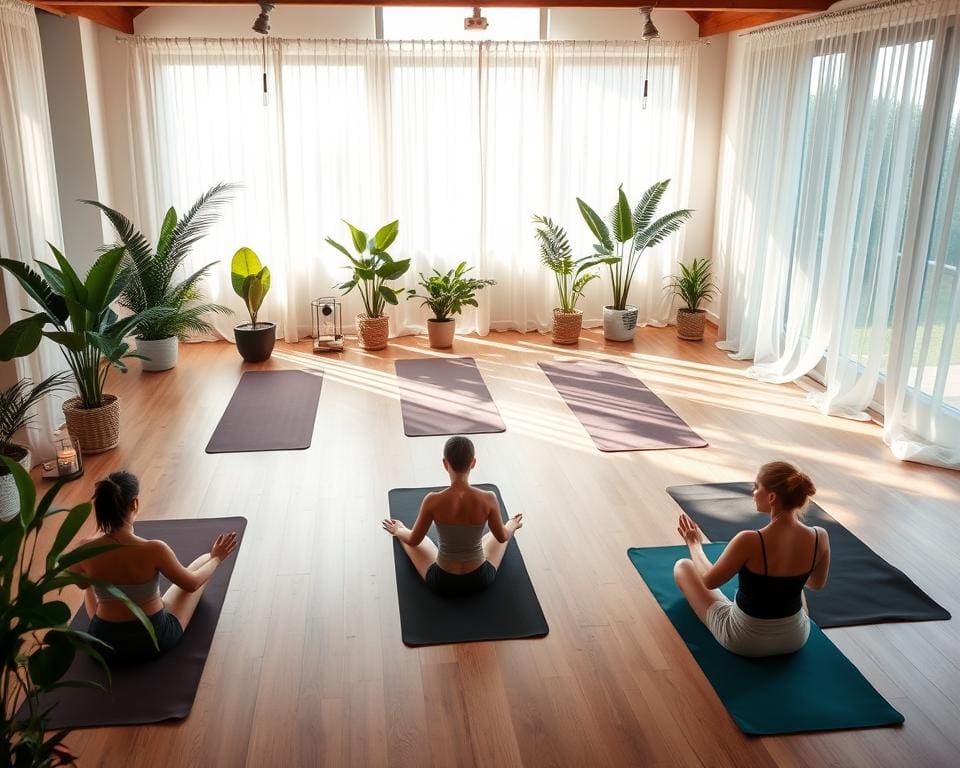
<point x="650" y="32"/>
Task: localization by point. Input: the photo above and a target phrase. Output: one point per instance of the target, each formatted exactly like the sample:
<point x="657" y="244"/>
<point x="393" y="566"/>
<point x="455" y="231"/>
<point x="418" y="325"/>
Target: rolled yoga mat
<point x="163" y="689"/>
<point x="815" y="689"/>
<point x="862" y="587"/>
<point x="445" y="396"/>
<point x="617" y="409"/>
<point x="507" y="609"/>
<point x="269" y="411"/>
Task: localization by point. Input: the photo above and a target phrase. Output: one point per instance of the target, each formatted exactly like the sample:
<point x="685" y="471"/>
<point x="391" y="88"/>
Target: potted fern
<point x="76" y="315"/>
<point x="571" y="276"/>
<point x="446" y="294"/>
<point x="148" y="277"/>
<point x="38" y="643"/>
<point x="693" y="286"/>
<point x="371" y="273"/>
<point x="624" y="238"/>
<point x="251" y="282"/>
<point x="17" y="403"/>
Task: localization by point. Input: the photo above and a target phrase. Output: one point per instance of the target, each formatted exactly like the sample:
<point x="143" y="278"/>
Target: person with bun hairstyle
<point x="467" y="560"/>
<point x="768" y="616"/>
<point x="135" y="568"/>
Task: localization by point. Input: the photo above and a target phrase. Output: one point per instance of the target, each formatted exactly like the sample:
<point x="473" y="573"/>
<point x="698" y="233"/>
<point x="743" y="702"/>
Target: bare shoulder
<point x="490" y="497"/>
<point x="743" y="540"/>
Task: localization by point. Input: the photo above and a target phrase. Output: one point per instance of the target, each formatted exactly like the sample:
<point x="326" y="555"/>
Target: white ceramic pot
<point x="162" y="353"/>
<point x="9" y="498"/>
<point x="619" y="324"/>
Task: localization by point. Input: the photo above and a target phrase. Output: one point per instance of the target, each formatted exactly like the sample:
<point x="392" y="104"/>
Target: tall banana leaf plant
<point x="627" y="234"/>
<point x="75" y="314"/>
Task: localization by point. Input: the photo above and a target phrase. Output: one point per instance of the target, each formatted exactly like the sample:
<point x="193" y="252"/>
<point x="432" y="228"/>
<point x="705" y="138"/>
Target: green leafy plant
<point x="694" y="284"/>
<point x="447" y="293"/>
<point x="36" y="641"/>
<point x="16" y="409"/>
<point x="627" y="235"/>
<point x="148" y="273"/>
<point x="80" y="319"/>
<point x="556" y="255"/>
<point x="250" y="280"/>
<point x="373" y="271"/>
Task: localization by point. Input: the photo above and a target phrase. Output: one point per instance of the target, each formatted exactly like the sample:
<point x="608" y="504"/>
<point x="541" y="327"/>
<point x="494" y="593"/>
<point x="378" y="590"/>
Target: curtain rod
<point x="132" y="39"/>
<point x="830" y="15"/>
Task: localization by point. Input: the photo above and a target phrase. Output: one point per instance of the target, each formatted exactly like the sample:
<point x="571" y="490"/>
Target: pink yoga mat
<point x="617" y="409"/>
<point x="445" y="396"/>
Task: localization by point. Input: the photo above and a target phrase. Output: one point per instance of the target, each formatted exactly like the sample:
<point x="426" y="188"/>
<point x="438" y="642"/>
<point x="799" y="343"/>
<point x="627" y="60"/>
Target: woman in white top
<point x="466" y="560"/>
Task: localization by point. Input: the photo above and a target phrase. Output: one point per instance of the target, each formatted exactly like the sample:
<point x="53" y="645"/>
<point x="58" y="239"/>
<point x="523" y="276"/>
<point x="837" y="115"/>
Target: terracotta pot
<point x="161" y="354"/>
<point x="441" y="332"/>
<point x="566" y="326"/>
<point x="690" y="323"/>
<point x="372" y="332"/>
<point x="619" y="324"/>
<point x="255" y="342"/>
<point x="95" y="429"/>
<point x="9" y="496"/>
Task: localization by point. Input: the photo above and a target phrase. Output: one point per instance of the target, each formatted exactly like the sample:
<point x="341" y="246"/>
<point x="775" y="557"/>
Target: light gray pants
<point x="747" y="636"/>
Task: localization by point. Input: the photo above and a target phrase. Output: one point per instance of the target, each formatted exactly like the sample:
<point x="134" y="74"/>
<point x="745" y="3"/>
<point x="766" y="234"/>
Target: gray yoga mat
<point x="157" y="690"/>
<point x="618" y="411"/>
<point x="445" y="396"/>
<point x="269" y="411"/>
<point x="862" y="588"/>
<point x="507" y="609"/>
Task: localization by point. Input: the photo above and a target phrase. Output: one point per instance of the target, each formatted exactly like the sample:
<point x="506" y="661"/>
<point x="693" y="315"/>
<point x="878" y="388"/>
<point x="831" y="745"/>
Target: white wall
<point x="236" y="21"/>
<point x="627" y="24"/>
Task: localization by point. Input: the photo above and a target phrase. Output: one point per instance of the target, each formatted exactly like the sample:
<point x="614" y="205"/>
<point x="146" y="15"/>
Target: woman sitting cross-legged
<point x="466" y="561"/>
<point x="135" y="568"/>
<point x="768" y="616"/>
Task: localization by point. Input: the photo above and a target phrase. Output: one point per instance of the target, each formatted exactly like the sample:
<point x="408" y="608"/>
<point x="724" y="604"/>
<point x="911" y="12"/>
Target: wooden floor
<point x="307" y="667"/>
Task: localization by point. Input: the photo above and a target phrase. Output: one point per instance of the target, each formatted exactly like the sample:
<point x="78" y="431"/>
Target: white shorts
<point x="748" y="636"/>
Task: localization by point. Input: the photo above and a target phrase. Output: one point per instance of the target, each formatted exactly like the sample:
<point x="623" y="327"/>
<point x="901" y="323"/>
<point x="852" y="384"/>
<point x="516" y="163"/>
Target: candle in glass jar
<point x="67" y="461"/>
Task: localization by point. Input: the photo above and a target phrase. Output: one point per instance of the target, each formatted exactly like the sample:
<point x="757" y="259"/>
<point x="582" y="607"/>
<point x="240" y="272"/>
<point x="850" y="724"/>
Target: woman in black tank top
<point x="768" y="616"/>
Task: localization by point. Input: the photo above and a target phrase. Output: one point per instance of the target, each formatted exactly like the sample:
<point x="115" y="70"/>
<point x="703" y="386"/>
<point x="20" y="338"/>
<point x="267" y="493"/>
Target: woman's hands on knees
<point x="515" y="523"/>
<point x="393" y="527"/>
<point x="689" y="531"/>
<point x="224" y="545"/>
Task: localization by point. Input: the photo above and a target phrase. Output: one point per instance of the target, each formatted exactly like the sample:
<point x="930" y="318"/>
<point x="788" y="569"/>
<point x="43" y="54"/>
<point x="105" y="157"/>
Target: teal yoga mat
<point x="815" y="689"/>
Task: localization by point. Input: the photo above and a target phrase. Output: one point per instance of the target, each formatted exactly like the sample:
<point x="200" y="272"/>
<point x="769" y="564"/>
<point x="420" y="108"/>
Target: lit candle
<point x="67" y="461"/>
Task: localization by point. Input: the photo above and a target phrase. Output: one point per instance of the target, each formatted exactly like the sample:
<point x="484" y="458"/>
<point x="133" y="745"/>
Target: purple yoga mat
<point x="617" y="409"/>
<point x="163" y="689"/>
<point x="269" y="411"/>
<point x="445" y="396"/>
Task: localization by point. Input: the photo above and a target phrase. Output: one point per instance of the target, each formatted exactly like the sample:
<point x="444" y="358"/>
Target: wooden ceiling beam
<point x="115" y="17"/>
<point x="719" y="22"/>
<point x="753" y="6"/>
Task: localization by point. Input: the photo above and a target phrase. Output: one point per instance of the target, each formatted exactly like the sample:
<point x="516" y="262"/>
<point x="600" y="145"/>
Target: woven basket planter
<point x="96" y="429"/>
<point x="372" y="332"/>
<point x="9" y="495"/>
<point x="566" y="326"/>
<point x="690" y="324"/>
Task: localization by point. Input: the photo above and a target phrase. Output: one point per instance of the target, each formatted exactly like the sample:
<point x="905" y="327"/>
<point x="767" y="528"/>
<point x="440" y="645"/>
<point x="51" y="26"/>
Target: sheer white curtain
<point x="29" y="210"/>
<point x="838" y="222"/>
<point x="461" y="141"/>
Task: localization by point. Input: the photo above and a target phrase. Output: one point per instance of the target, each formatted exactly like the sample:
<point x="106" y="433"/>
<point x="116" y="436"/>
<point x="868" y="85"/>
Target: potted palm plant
<point x="446" y="294"/>
<point x="17" y="404"/>
<point x="570" y="274"/>
<point x="76" y="315"/>
<point x="371" y="273"/>
<point x="625" y="237"/>
<point x="148" y="277"/>
<point x="693" y="286"/>
<point x="35" y="634"/>
<point x="251" y="282"/>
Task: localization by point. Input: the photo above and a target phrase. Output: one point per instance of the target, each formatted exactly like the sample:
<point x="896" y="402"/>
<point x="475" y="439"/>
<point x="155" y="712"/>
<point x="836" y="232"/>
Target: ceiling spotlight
<point x="650" y="31"/>
<point x="262" y="24"/>
<point x="476" y="21"/>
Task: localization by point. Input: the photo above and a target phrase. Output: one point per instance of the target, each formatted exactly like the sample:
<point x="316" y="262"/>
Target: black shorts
<point x="457" y="584"/>
<point x="129" y="642"/>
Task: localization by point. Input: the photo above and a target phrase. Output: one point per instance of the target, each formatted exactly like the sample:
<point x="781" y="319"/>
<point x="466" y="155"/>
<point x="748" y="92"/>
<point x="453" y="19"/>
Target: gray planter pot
<point x="619" y="324"/>
<point x="255" y="343"/>
<point x="162" y="353"/>
<point x="9" y="498"/>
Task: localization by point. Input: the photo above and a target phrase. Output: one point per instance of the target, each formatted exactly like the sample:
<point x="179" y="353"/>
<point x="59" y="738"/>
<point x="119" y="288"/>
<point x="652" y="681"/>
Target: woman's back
<point x="460" y="505"/>
<point x="783" y="550"/>
<point x="133" y="562"/>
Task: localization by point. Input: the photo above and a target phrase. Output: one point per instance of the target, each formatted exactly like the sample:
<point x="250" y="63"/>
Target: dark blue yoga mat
<point x="815" y="689"/>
